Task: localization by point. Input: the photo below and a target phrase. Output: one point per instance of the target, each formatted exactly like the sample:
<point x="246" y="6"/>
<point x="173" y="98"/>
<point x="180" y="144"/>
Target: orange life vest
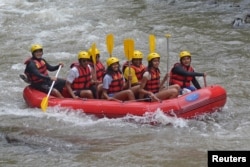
<point x="117" y="83"/>
<point x="138" y="70"/>
<point x="42" y="68"/>
<point x="100" y="70"/>
<point x="84" y="79"/>
<point x="182" y="81"/>
<point x="153" y="85"/>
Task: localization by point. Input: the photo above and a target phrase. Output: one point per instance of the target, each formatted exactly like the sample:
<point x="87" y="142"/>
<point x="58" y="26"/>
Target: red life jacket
<point x="84" y="79"/>
<point x="116" y="84"/>
<point x="138" y="70"/>
<point x="153" y="85"/>
<point x="42" y="68"/>
<point x="182" y="81"/>
<point x="100" y="70"/>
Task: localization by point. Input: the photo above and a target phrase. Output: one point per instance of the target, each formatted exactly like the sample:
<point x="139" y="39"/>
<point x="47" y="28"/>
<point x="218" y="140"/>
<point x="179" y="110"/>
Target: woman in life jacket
<point x="79" y="79"/>
<point x="135" y="72"/>
<point x="37" y="72"/>
<point x="183" y="73"/>
<point x="99" y="71"/>
<point x="150" y="84"/>
<point x="114" y="83"/>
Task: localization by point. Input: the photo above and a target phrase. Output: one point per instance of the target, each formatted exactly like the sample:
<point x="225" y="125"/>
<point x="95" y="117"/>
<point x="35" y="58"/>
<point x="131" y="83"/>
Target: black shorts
<point x="45" y="86"/>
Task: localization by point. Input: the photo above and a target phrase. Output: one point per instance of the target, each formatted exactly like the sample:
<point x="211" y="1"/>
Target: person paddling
<point x="37" y="72"/>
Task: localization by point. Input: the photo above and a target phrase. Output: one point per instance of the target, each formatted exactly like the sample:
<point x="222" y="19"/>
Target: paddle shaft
<point x="168" y="36"/>
<point x="53" y="83"/>
<point x="205" y="81"/>
<point x="93" y="49"/>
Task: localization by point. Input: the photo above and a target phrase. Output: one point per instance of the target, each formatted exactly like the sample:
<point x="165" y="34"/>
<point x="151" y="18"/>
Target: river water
<point x="60" y="137"/>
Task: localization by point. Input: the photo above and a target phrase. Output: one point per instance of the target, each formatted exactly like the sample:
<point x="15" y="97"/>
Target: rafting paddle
<point x="93" y="53"/>
<point x="129" y="51"/>
<point x="168" y="77"/>
<point x="44" y="103"/>
<point x="110" y="43"/>
<point x="151" y="43"/>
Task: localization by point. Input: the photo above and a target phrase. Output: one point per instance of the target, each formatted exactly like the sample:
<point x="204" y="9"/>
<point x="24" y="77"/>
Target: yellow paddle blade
<point x="110" y="43"/>
<point x="131" y="48"/>
<point x="151" y="43"/>
<point x="44" y="103"/>
<point x="126" y="48"/>
<point x="93" y="53"/>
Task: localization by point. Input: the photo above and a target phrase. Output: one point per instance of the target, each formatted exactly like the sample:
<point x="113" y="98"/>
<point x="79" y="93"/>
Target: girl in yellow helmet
<point x="150" y="84"/>
<point x="114" y="83"/>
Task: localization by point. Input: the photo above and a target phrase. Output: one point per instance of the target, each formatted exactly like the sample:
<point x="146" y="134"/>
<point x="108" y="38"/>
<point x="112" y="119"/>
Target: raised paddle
<point x="151" y="43"/>
<point x="129" y="51"/>
<point x="93" y="53"/>
<point x="205" y="81"/>
<point x="44" y="103"/>
<point x="110" y="43"/>
<point x="168" y="77"/>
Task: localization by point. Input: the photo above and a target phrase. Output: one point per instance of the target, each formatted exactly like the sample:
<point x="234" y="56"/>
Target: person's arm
<point x="196" y="83"/>
<point x="179" y="70"/>
<point x="50" y="67"/>
<point x="106" y="82"/>
<point x="31" y="68"/>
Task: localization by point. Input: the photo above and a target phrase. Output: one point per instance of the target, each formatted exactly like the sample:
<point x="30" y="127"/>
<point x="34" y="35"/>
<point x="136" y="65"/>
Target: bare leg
<point x="56" y="93"/>
<point x="135" y="90"/>
<point x="175" y="86"/>
<point x="167" y="94"/>
<point x="125" y="95"/>
<point x="86" y="94"/>
<point x="99" y="91"/>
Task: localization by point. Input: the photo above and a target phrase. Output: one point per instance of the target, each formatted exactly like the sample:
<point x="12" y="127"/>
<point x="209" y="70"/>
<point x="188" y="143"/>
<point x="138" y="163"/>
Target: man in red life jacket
<point x="183" y="73"/>
<point x="151" y="84"/>
<point x="37" y="72"/>
<point x="79" y="79"/>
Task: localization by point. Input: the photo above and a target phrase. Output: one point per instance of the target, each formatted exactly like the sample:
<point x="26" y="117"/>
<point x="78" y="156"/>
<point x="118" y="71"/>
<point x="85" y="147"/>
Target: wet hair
<point x="150" y="66"/>
<point x="110" y="70"/>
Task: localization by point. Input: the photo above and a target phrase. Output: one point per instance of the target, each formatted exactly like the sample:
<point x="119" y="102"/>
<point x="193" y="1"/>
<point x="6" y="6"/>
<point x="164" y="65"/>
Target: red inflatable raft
<point x="205" y="100"/>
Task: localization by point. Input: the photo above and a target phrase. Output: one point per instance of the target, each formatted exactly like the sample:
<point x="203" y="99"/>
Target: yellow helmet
<point x="112" y="60"/>
<point x="185" y="53"/>
<point x="35" y="47"/>
<point x="153" y="55"/>
<point x="96" y="51"/>
<point x="137" y="55"/>
<point x="83" y="55"/>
